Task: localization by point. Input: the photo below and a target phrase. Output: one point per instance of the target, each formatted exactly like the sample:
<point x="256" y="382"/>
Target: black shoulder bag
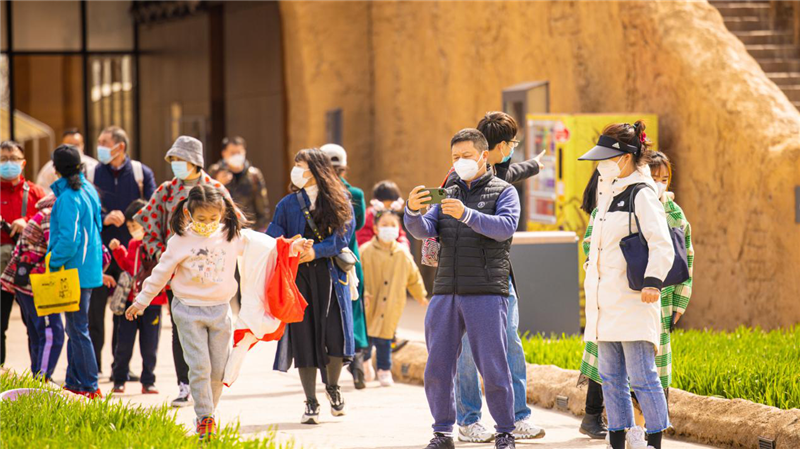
<point x="637" y="254"/>
<point x="345" y="260"/>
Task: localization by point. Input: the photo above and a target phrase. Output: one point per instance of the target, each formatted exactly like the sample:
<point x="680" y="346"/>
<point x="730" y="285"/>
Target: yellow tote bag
<point x="56" y="292"/>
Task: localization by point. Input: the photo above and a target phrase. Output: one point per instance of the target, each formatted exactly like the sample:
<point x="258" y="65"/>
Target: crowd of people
<point x="139" y="247"/>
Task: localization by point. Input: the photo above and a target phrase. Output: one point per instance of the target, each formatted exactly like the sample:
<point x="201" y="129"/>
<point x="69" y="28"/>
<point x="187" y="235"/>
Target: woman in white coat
<point x="625" y="323"/>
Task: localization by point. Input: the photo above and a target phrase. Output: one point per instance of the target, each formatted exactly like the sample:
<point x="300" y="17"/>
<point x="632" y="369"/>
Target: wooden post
<point x="786" y="14"/>
<point x="774" y="13"/>
<point x="796" y="23"/>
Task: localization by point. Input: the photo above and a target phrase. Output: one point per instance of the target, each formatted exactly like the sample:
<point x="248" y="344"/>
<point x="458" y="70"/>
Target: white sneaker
<point x="525" y="430"/>
<point x="475" y="433"/>
<point x="311" y="414"/>
<point x="385" y="378"/>
<point x="635" y="438"/>
<point x="369" y="371"/>
<point x="334" y="394"/>
<point x="184" y="396"/>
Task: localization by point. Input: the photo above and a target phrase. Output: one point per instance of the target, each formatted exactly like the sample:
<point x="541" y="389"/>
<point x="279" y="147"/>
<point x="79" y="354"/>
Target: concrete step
<point x="773" y="51"/>
<point x="780" y="65"/>
<point x="742" y="9"/>
<point x="792" y="92"/>
<point x="764" y="37"/>
<point x="785" y="79"/>
<point x="749" y="23"/>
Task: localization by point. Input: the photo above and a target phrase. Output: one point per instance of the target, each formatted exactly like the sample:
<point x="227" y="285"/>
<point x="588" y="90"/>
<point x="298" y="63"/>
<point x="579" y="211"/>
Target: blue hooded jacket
<point x="75" y="232"/>
<point x="289" y="221"/>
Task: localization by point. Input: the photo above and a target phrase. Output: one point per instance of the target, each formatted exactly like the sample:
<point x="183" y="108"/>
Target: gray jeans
<point x="205" y="334"/>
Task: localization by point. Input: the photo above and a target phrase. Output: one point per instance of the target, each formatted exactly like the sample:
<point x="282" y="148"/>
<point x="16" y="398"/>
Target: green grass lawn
<point x="751" y="364"/>
<point x="45" y="421"/>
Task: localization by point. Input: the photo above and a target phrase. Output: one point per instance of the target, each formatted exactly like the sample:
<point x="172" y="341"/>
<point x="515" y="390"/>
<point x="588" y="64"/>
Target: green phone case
<point x="437" y="195"/>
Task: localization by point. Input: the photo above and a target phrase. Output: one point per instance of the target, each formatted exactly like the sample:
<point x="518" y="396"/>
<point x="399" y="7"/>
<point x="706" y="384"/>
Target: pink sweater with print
<point x="203" y="267"/>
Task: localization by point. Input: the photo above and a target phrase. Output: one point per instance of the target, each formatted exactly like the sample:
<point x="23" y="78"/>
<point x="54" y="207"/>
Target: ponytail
<point x="73" y="176"/>
<point x="177" y="223"/>
<point x="632" y="135"/>
<point x="641" y="140"/>
<point x="234" y="220"/>
<point x="74" y="181"/>
<point x="590" y="194"/>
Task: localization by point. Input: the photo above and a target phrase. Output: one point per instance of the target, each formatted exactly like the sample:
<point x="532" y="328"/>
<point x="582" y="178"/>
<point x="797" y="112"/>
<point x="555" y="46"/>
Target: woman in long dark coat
<point x="324" y="339"/>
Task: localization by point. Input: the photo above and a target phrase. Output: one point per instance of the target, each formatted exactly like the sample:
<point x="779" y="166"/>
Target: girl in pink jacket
<point x="199" y="263"/>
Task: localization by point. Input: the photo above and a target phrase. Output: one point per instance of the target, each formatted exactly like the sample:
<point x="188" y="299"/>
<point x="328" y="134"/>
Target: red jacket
<point x="11" y="203"/>
<point x="127" y="260"/>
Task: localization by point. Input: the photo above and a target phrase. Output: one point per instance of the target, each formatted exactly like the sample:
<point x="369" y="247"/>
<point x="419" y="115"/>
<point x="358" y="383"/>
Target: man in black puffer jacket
<point x="475" y="225"/>
<point x="500" y="130"/>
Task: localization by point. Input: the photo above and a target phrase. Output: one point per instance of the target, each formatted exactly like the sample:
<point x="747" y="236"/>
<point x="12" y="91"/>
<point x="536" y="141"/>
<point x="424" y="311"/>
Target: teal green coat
<point x="359" y="322"/>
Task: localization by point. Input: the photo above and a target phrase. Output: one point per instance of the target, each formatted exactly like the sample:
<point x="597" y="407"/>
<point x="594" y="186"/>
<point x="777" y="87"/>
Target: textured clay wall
<point x="327" y="66"/>
<point x="410" y="74"/>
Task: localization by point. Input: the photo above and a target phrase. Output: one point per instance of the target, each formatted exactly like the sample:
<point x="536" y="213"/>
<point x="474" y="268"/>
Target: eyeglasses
<point x="11" y="159"/>
<point x="513" y="143"/>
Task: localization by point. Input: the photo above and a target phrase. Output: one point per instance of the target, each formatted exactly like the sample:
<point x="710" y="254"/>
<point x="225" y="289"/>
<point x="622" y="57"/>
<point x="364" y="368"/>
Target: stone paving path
<point x="396" y="417"/>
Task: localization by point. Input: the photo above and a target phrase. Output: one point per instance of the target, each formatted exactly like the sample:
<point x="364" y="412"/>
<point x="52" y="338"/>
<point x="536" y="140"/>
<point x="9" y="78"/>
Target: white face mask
<point x="138" y="234"/>
<point x="609" y="169"/>
<point x="297" y="177"/>
<point x="388" y="234"/>
<point x="661" y="188"/>
<point x="236" y="161"/>
<point x="467" y="169"/>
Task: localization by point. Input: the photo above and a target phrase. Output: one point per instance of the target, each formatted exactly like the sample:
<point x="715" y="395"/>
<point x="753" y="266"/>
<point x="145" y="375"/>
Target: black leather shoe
<point x="594" y="426"/>
<point x="441" y="441"/>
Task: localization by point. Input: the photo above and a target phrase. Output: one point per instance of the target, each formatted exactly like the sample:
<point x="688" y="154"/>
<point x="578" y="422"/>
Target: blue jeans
<point x="81" y="364"/>
<point x="45" y="337"/>
<point x="634" y="360"/>
<point x="383" y="352"/>
<point x="468" y="387"/>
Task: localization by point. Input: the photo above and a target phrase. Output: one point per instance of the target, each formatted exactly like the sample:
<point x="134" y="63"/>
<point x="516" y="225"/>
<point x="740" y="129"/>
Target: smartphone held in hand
<point x="436" y="194"/>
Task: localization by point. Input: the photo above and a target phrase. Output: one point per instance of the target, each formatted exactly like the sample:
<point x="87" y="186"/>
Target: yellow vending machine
<point x="554" y="196"/>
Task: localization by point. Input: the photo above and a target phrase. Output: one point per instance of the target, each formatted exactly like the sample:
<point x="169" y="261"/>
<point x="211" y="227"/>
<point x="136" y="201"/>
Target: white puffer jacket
<point x="256" y="265"/>
<point x="614" y="312"/>
<point x="257" y="261"/>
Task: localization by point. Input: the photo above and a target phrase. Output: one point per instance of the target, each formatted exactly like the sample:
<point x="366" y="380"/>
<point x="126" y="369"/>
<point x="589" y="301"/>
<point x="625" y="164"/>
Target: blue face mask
<point x="10" y="170"/>
<point x="508" y="158"/>
<point x="104" y="154"/>
<point x="180" y="169"/>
